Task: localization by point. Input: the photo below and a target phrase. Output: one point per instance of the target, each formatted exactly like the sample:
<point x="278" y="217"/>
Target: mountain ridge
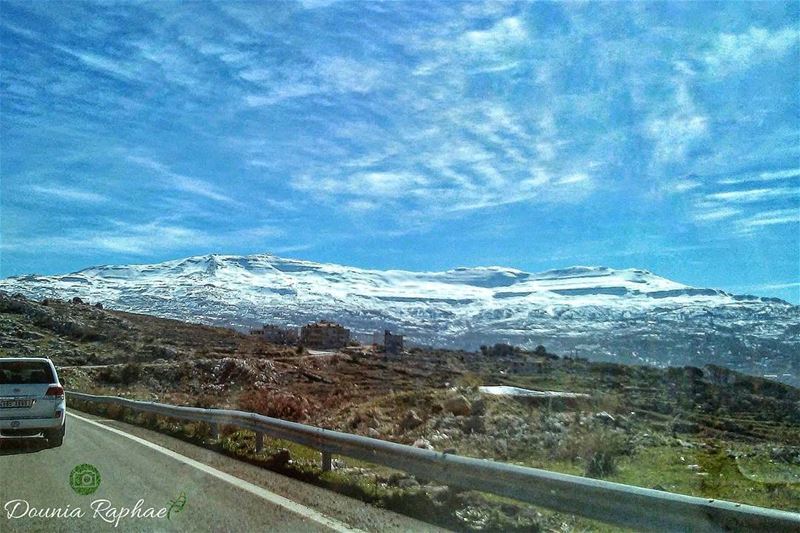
<point x="631" y="315"/>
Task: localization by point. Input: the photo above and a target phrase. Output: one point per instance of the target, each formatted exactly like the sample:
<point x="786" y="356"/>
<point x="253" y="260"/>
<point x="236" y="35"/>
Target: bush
<point x="276" y="404"/>
<point x="469" y="381"/>
<point x="598" y="450"/>
<point x="130" y="373"/>
<point x="602" y="463"/>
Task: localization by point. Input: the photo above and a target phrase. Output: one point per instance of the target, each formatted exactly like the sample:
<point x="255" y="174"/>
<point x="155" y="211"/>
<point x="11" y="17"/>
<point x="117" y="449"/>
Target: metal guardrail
<point x="613" y="503"/>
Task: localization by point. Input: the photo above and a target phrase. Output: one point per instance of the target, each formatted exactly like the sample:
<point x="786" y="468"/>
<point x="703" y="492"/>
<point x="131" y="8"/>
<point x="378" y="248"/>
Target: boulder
<point x="605" y="417"/>
<point x="425" y="444"/>
<point x="282" y="458"/>
<point x="410" y="421"/>
<point x="458" y="405"/>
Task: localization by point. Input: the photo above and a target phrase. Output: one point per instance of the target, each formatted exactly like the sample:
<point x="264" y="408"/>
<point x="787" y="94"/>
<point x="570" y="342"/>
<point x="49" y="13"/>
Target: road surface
<point x="221" y="494"/>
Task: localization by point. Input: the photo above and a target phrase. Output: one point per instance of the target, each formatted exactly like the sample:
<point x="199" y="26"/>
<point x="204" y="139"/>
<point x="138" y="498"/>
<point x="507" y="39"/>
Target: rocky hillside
<point x="621" y="315"/>
<point x="705" y="431"/>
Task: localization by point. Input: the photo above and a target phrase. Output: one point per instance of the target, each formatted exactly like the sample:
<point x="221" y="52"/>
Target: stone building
<point x="392" y="344"/>
<point x="277" y="334"/>
<point x="324" y="335"/>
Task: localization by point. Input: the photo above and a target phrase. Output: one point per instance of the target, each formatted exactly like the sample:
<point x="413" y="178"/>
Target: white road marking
<point x="235" y="481"/>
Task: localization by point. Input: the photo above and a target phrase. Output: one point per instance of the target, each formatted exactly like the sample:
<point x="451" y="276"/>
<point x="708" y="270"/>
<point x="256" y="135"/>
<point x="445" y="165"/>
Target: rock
<point x="605" y="417"/>
<point x="501" y="447"/>
<point x="449" y="451"/>
<point x="425" y="444"/>
<point x="282" y="458"/>
<point x="437" y="493"/>
<point x="473" y="424"/>
<point x="374" y="433"/>
<point x="458" y="405"/>
<point x="410" y="421"/>
<point x="395" y="478"/>
<point x="408" y="483"/>
<point x="683" y="426"/>
<point x="479" y="407"/>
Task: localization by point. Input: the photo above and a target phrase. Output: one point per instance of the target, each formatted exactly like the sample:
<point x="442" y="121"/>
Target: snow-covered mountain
<point x="597" y="312"/>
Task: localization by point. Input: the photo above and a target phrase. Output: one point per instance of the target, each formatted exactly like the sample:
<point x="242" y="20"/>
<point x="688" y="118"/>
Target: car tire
<point x="56" y="438"/>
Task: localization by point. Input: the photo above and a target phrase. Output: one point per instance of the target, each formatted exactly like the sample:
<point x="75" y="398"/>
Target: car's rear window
<point x="26" y="372"/>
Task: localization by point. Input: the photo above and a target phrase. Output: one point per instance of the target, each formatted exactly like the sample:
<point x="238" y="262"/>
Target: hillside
<point x="710" y="432"/>
<point x="631" y="316"/>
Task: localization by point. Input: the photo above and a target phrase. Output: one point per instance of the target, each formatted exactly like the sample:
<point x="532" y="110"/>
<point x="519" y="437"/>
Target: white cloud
<point x="140" y="238"/>
<point x="70" y="194"/>
<point x="345" y="74"/>
<point x="773" y="286"/>
<point x="685" y="185"/>
<point x="503" y="34"/>
<point x="136" y="239"/>
<point x="769" y="218"/>
<point x="361" y="205"/>
<point x="713" y="215"/>
<point x="754" y="195"/>
<point x="573" y="178"/>
<point x="387" y="185"/>
<point x="113" y="66"/>
<point x="200" y="188"/>
<point x="732" y="52"/>
<point x="183" y="183"/>
<point x="676" y="131"/>
<point x="764" y="176"/>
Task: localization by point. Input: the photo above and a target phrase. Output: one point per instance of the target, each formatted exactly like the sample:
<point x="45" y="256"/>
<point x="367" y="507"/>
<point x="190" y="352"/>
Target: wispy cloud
<point x="181" y="182"/>
<point x="738" y="51"/>
<point x="68" y="193"/>
<point x="755" y="195"/>
<point x="676" y="131"/>
<point x="327" y="75"/>
<point x="768" y="218"/>
<point x="763" y="176"/>
<point x="156" y="236"/>
<point x="412" y="118"/>
<point x="715" y="214"/>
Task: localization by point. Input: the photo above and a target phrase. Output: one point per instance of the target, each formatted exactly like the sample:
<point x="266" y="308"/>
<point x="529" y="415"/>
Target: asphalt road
<point x="221" y="494"/>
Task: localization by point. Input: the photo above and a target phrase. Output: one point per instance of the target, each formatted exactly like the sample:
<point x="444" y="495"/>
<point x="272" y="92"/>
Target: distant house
<point x="386" y="341"/>
<point x="324" y="335"/>
<point x="276" y="334"/>
<point x="392" y="344"/>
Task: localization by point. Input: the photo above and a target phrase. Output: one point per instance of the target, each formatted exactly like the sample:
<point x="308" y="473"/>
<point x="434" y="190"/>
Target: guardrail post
<point x="214" y="430"/>
<point x="259" y="442"/>
<point x="326" y="462"/>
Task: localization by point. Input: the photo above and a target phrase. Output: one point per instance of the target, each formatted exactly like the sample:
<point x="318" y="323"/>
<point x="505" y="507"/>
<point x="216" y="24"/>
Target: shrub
<point x="130" y="373"/>
<point x="276" y="404"/>
<point x="598" y="450"/>
<point x="470" y="381"/>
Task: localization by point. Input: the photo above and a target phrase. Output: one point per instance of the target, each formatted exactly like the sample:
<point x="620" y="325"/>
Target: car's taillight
<point x="55" y="390"/>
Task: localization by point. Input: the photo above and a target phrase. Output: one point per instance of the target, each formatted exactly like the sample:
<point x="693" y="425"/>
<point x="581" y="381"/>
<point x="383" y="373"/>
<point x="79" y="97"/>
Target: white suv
<point x="31" y="400"/>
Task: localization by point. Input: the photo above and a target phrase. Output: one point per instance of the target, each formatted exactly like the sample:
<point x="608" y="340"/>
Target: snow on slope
<point x="630" y="314"/>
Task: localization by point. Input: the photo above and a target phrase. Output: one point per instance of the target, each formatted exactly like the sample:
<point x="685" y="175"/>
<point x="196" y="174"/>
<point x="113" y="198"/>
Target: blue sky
<point x="412" y="135"/>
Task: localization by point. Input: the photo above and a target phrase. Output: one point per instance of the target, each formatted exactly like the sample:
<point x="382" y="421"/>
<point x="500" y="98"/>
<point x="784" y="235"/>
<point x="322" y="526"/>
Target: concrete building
<point x="385" y="341"/>
<point x="324" y="335"/>
<point x="277" y="334"/>
<point x="392" y="344"/>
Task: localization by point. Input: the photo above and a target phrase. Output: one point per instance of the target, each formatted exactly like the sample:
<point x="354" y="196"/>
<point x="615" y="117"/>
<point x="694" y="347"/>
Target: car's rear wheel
<point x="55" y="438"/>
